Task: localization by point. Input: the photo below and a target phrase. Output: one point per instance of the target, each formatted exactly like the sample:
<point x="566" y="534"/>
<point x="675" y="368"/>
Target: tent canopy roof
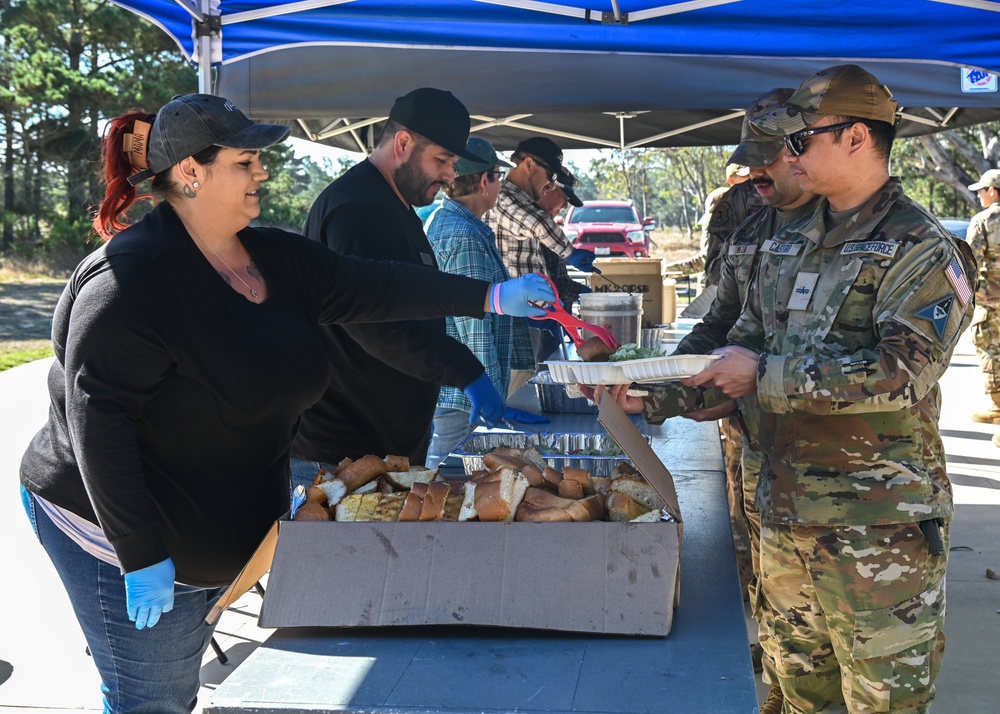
<point x="590" y="73"/>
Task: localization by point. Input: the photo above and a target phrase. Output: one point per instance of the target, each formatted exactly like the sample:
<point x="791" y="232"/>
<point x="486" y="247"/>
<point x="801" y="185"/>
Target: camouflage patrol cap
<point x="845" y="90"/>
<point x="755" y="149"/>
<point x="990" y="179"/>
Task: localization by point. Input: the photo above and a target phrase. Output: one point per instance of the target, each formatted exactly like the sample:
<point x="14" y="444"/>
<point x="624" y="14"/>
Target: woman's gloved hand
<point x="149" y="593"/>
<point x="487" y="404"/>
<point x="512" y="414"/>
<point x="514" y="297"/>
<point x="582" y="259"/>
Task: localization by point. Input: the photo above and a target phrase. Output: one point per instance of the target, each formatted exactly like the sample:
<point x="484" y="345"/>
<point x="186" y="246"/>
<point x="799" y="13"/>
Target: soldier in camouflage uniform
<point x="849" y="324"/>
<point x="984" y="239"/>
<point x="785" y="202"/>
<point x="736" y="204"/>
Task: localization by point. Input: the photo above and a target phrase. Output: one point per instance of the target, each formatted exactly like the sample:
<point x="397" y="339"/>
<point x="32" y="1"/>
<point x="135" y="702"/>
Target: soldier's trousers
<point x="732" y="452"/>
<point x="986" y="338"/>
<point x="853" y="616"/>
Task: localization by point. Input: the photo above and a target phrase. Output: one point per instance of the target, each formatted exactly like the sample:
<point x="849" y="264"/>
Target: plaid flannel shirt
<point x="521" y="229"/>
<point x="463" y="244"/>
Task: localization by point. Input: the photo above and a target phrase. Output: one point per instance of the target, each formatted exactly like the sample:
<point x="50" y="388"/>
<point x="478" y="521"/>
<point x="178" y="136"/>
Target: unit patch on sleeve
<point x="937" y="313"/>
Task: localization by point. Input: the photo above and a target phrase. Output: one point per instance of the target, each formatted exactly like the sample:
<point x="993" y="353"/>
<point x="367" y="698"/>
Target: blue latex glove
<point x="583" y="259"/>
<point x="149" y="593"/>
<point x="515" y="296"/>
<point x="512" y="414"/>
<point x="487" y="404"/>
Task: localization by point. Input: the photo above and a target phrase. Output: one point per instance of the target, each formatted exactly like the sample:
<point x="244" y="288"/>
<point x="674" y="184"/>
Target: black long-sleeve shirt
<point x="174" y="399"/>
<point x="385" y="385"/>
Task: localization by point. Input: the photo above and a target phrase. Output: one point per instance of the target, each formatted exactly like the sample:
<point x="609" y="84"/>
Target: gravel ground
<point x="26" y="308"/>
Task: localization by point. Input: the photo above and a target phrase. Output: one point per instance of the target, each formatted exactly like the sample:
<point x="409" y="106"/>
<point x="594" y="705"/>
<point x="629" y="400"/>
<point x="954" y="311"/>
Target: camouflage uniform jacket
<point x="984" y="239"/>
<point x="739" y="260"/>
<point x="732" y="209"/>
<point x="854" y="326"/>
<point x="522" y="228"/>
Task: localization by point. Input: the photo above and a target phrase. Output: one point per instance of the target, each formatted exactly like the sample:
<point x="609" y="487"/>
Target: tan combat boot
<point x="991" y="415"/>
<point x="774" y="702"/>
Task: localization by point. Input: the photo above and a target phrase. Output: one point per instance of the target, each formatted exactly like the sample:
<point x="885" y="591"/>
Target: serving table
<point x="703" y="666"/>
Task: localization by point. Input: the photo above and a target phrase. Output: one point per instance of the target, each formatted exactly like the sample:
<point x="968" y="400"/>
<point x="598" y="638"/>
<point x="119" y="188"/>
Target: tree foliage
<point x="66" y="66"/>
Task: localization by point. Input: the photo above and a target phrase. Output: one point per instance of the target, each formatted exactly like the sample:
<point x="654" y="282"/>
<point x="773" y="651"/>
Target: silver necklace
<point x="235" y="274"/>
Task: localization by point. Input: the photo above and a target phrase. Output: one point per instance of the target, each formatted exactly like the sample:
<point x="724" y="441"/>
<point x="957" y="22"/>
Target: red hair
<point x="120" y="195"/>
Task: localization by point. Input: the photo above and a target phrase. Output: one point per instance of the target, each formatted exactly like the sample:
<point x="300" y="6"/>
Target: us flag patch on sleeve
<point x="956" y="276"/>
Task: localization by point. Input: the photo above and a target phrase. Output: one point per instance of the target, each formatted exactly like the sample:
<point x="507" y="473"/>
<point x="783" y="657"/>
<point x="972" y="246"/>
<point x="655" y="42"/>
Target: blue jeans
<point x="304" y="472"/>
<point x="450" y="427"/>
<point x="150" y="671"/>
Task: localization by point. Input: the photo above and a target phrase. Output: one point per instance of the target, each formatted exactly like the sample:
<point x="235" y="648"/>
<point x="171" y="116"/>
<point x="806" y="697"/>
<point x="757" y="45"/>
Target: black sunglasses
<point x="501" y="174"/>
<point x="796" y="145"/>
<point x="551" y="174"/>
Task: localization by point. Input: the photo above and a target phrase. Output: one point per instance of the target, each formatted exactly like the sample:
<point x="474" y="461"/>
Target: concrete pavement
<point x="44" y="667"/>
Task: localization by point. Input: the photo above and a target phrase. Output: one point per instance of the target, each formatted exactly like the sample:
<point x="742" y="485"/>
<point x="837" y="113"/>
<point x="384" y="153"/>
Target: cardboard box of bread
<point x="518" y="544"/>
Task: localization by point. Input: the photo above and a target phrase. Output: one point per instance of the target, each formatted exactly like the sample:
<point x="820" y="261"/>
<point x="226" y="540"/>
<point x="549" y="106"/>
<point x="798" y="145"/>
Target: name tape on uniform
<point x="746" y="249"/>
<point x="776" y="247"/>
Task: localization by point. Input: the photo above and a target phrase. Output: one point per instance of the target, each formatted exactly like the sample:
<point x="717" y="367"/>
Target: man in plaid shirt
<point x="524" y="229"/>
<point x="520" y="224"/>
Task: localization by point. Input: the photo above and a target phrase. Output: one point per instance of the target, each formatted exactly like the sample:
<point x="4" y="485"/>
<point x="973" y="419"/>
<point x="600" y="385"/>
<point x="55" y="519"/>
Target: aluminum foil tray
<point x="474" y="446"/>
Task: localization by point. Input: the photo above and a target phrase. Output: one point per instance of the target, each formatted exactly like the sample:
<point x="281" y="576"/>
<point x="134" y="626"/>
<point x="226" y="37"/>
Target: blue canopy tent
<point x="591" y="73"/>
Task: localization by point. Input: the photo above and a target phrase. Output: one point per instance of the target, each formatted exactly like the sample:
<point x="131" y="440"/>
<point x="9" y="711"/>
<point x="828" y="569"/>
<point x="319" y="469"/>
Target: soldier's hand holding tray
<point x="735" y="374"/>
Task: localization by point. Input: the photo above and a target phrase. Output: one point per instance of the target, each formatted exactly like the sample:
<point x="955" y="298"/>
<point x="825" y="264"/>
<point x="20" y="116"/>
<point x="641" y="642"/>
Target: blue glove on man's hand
<point x="583" y="259"/>
<point x="514" y="297"/>
<point x="149" y="593"/>
<point x="524" y="417"/>
<point x="487" y="404"/>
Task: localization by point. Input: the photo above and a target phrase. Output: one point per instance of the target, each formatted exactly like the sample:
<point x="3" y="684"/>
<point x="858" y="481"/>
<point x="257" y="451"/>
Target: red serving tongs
<point x="573" y="325"/>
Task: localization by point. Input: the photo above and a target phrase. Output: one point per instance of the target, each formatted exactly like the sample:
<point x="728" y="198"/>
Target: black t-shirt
<point x="384" y="385"/>
<point x="174" y="399"/>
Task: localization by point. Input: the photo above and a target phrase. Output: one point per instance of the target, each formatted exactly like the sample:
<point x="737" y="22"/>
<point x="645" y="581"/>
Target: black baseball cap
<point x="550" y="154"/>
<point x="566" y="182"/>
<point x="438" y="116"/>
<point x="193" y="122"/>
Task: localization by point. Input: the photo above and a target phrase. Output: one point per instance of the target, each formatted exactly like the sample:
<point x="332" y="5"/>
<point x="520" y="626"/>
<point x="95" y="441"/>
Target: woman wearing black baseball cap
<point x="186" y="348"/>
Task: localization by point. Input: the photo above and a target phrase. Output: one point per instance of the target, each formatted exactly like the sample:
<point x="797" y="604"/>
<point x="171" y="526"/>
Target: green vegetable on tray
<point x="632" y="351"/>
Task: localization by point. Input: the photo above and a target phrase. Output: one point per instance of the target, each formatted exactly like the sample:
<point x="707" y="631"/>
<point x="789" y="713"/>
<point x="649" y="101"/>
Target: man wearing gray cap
<point x="984" y="239"/>
<point x="848" y="325"/>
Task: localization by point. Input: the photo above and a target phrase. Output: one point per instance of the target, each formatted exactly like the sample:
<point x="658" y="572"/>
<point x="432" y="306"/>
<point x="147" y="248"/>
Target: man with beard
<point x="524" y="229"/>
<point x="384" y="386"/>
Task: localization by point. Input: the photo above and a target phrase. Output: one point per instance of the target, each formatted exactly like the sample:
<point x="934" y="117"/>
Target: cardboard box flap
<point x="252" y="572"/>
<point x="625" y="434"/>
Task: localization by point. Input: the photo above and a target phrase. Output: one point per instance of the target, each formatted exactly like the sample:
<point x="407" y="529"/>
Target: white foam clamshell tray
<point x="660" y="369"/>
<point x="474" y="446"/>
<point x="577" y="372"/>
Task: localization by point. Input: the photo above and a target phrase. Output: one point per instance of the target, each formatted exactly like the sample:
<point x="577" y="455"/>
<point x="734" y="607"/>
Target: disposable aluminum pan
<point x="559" y="450"/>
<point x="553" y="398"/>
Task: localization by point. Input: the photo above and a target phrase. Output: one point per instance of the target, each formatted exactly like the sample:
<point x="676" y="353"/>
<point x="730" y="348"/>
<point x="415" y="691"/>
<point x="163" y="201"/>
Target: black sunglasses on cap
<point x="550" y="172"/>
<point x="796" y="145"/>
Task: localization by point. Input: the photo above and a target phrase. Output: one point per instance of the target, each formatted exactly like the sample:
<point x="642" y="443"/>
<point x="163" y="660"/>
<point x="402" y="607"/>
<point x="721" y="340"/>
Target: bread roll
<point x="552" y="476"/>
<point x="415" y="474"/>
<point x="335" y="490"/>
<point x="397" y="463"/>
<point x="526" y="513"/>
<point x="489" y="502"/>
<point x="622" y="508"/>
<point x="581" y="476"/>
<point x="311" y="511"/>
<point x="314" y="494"/>
<point x="571" y="489"/>
<point x="639" y="490"/>
<point x="367" y="468"/>
<point x="414" y="503"/>
<point x="434" y="501"/>
<point x="534" y="475"/>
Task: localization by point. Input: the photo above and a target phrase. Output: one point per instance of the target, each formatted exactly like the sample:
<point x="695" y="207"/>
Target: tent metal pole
<point x="208" y="31"/>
